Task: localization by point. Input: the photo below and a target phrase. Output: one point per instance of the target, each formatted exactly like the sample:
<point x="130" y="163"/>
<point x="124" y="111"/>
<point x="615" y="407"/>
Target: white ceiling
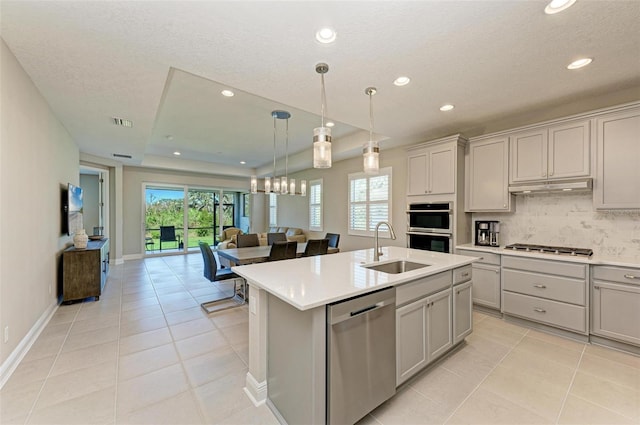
<point x="163" y="64"/>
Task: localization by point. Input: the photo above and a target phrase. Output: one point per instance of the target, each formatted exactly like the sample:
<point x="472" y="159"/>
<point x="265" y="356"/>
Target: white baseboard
<point x="131" y="257"/>
<point x="9" y="366"/>
<point x="256" y="391"/>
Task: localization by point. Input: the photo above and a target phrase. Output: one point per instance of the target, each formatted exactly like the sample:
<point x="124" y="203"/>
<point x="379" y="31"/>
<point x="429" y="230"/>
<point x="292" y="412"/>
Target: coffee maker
<point x="487" y="233"/>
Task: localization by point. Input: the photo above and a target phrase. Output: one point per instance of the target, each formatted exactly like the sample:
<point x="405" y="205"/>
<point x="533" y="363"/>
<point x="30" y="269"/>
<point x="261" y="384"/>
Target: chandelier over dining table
<point x="280" y="185"/>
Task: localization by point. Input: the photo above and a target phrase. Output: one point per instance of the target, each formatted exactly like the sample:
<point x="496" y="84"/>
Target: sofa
<point x="292" y="233"/>
<point x="228" y="238"/>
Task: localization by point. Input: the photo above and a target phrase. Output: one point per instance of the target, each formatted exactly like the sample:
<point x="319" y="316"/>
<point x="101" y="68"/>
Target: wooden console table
<point x="84" y="271"/>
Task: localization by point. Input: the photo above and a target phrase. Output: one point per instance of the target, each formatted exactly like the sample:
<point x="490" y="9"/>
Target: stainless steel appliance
<point x="430" y="218"/>
<point x="558" y="250"/>
<point x="439" y="242"/>
<point x="361" y="355"/>
<point x="488" y="233"/>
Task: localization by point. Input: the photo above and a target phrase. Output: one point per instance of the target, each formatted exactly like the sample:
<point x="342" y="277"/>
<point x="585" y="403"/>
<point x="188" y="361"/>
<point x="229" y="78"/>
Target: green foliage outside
<point x="202" y="209"/>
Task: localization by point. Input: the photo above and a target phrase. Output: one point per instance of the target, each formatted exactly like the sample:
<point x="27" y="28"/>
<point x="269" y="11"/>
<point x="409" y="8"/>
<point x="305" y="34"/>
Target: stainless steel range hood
<point x="548" y="187"/>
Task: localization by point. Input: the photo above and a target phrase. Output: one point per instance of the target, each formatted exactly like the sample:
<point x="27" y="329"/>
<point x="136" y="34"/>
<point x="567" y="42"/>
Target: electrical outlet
<point x="6" y="334"/>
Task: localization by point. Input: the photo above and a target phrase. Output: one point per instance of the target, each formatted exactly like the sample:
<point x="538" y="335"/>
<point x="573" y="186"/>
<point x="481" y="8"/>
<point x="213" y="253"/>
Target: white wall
<point x="134" y="177"/>
<point x="569" y="220"/>
<point x="37" y="158"/>
<point x="293" y="211"/>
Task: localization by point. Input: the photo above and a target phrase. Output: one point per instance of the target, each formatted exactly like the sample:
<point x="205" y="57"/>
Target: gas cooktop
<point x="559" y="250"/>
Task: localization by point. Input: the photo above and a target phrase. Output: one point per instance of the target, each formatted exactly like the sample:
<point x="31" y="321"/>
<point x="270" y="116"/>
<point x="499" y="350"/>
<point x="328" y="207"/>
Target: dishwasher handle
<point x="364" y="310"/>
<point x="358" y="307"/>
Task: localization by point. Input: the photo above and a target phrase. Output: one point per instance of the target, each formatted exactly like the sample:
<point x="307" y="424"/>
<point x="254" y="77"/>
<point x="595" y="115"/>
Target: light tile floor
<point x="147" y="354"/>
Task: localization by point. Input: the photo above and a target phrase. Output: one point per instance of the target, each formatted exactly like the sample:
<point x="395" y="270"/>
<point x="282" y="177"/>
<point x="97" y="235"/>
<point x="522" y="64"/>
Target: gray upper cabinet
<point x="617" y="183"/>
<point x="488" y="175"/>
<point x="436" y="167"/>
<point x="560" y="151"/>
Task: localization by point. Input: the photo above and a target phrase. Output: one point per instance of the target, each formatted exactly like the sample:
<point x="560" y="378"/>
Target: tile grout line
<point x="44" y="383"/>
<point x="575" y="372"/>
<point x="485" y="378"/>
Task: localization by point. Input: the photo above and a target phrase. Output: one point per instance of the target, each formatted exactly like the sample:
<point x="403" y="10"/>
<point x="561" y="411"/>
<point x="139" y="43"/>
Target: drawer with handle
<point x="551" y="287"/>
<point x="461" y="274"/>
<point x="554" y="313"/>
<point x="578" y="271"/>
<point x="485" y="257"/>
<point x="617" y="274"/>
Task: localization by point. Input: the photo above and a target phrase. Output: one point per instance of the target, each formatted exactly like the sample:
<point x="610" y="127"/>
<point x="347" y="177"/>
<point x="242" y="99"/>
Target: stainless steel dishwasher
<point x="361" y="355"/>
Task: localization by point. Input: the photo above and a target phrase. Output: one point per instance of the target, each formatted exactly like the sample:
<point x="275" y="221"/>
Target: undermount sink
<point x="396" y="267"/>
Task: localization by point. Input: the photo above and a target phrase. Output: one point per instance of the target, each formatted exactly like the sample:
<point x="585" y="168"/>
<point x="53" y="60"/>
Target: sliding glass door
<point x="195" y="214"/>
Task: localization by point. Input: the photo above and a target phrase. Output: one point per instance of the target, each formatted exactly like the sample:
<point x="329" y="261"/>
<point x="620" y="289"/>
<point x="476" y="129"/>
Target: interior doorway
<point x="94" y="183"/>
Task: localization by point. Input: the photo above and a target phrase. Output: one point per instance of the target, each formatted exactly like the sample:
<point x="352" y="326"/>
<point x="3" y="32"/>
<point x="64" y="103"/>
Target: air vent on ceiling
<point x="122" y="122"/>
<point x="121" y="155"/>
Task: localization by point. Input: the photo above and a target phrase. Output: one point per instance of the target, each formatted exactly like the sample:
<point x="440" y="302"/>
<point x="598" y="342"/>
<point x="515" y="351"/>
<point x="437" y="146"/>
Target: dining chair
<point x="276" y="237"/>
<point x="244" y="241"/>
<point x="283" y="251"/>
<point x="316" y="247"/>
<point x="168" y="234"/>
<point x="213" y="274"/>
<point x="334" y="239"/>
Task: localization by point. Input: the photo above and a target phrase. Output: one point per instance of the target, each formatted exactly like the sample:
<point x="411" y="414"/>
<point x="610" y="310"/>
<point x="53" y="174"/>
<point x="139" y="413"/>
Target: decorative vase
<point x="80" y="239"/>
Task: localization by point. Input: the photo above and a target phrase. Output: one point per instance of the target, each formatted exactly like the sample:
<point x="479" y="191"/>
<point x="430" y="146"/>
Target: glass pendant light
<point x="371" y="151"/>
<point x="254" y="184"/>
<point x="322" y="134"/>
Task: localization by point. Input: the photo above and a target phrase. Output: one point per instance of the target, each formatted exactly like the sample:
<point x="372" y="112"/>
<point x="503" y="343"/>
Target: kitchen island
<point x="288" y="318"/>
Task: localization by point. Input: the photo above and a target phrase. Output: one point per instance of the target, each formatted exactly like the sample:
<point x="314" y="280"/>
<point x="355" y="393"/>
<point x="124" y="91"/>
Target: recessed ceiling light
<point x="326" y="35"/>
<point x="447" y="107"/>
<point x="329" y="124"/>
<point x="176" y="153"/>
<point x="227" y="93"/>
<point x="556" y="6"/>
<point x="579" y="63"/>
<point x="243" y="162"/>
<point x="402" y="81"/>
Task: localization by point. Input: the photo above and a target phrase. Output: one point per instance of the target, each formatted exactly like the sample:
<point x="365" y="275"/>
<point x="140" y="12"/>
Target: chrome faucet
<point x="377" y="252"/>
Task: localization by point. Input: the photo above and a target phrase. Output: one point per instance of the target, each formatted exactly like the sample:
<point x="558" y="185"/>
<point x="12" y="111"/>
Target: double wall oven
<point x="430" y="226"/>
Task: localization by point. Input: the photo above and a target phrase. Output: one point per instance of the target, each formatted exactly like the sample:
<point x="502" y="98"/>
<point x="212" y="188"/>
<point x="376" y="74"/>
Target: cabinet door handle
<point x="497" y="271"/>
<point x="540" y="286"/>
<point x="551" y="173"/>
<point x="596" y="287"/>
<point x="465" y="274"/>
<point x="539" y="310"/>
<point x="504" y="205"/>
<point x="544" y="174"/>
<point x="630" y="276"/>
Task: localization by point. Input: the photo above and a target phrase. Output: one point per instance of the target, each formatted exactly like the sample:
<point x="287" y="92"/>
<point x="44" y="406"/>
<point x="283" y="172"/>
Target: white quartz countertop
<point x="596" y="259"/>
<point x="311" y="282"/>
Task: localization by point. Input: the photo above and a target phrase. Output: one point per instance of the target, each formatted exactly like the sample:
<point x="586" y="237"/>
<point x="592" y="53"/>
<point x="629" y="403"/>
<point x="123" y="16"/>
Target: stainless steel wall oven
<point x="430" y="226"/>
<point x="430" y="218"/>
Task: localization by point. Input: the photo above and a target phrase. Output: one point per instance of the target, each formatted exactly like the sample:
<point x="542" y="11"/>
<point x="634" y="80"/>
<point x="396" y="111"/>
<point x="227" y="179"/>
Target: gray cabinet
<point x="546" y="291"/>
<point x="431" y="171"/>
<point x="84" y="271"/>
<point x="462" y="311"/>
<point x="615" y="309"/>
<point x="560" y="151"/>
<point x="618" y="158"/>
<point x="487" y="181"/>
<point x="423" y="333"/>
<point x="486" y="278"/>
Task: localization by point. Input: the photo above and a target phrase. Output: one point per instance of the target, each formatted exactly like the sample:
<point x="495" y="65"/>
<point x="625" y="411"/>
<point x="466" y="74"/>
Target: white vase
<point x="80" y="239"/>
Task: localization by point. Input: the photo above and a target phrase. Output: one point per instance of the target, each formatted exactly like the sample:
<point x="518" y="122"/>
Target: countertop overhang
<point x="310" y="282"/>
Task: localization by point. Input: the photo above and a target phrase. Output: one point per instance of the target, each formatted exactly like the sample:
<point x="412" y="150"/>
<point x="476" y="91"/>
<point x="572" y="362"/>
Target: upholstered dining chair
<point x="316" y="247"/>
<point x="244" y="241"/>
<point x="283" y="251"/>
<point x="213" y="274"/>
<point x="334" y="239"/>
<point x="276" y="237"/>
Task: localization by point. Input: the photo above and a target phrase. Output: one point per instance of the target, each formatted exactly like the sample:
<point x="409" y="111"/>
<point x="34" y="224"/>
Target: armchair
<point x="227" y="237"/>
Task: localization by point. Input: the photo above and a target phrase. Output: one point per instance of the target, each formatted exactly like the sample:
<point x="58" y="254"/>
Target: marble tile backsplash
<point x="569" y="220"/>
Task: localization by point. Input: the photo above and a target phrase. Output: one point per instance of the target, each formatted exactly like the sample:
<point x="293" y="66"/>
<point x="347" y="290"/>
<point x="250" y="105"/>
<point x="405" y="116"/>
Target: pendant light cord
<point x="323" y="96"/>
<point x="286" y="151"/>
<point x="370" y="116"/>
<point x="274" y="147"/>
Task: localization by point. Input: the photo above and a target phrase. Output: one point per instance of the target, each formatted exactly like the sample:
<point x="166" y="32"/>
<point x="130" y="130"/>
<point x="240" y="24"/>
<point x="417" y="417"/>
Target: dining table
<point x="258" y="254"/>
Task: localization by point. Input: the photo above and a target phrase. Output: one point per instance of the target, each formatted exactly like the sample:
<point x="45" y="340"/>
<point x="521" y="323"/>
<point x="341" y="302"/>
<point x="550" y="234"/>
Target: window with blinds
<point x="273" y="210"/>
<point x="315" y="205"/>
<point x="369" y="201"/>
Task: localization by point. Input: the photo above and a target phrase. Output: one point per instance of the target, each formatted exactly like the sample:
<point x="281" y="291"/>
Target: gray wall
<point x="37" y="158"/>
<point x="293" y="211"/>
<point x="90" y="206"/>
<point x="134" y="177"/>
